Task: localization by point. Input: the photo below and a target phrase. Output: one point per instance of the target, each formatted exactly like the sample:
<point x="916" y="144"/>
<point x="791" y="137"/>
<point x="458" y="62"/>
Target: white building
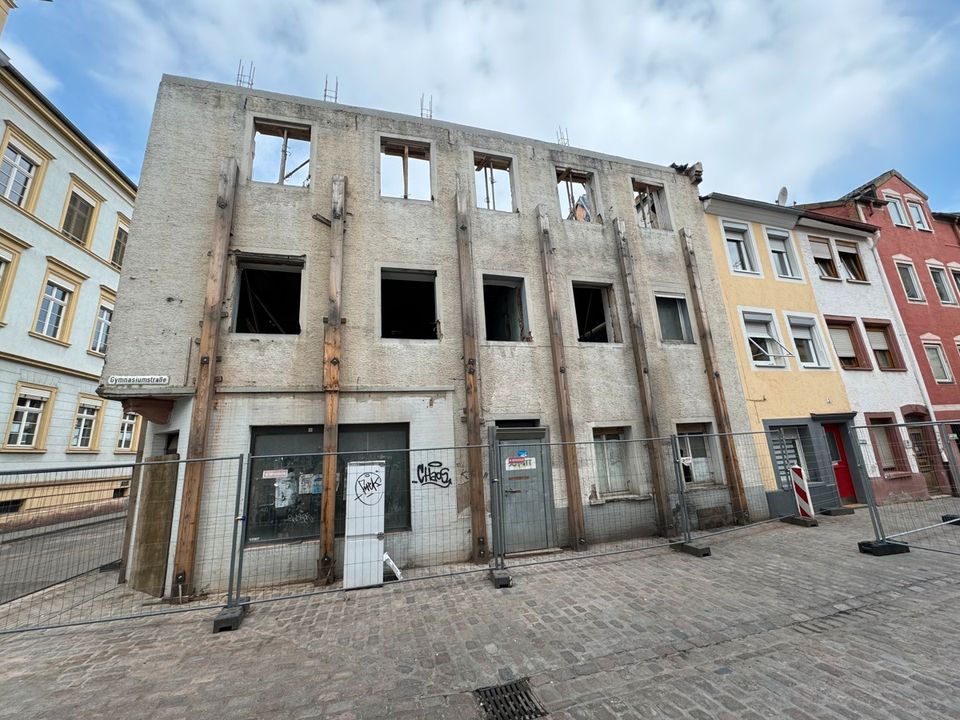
<point x="65" y="209"/>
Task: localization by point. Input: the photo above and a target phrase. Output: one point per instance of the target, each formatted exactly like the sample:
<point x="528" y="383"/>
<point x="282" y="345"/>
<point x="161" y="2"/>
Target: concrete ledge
<point x="880" y="548"/>
<point x="229" y="618"/>
<point x="801" y="521"/>
<point x="690" y="549"/>
<point x="501" y="579"/>
<point x="834" y="511"/>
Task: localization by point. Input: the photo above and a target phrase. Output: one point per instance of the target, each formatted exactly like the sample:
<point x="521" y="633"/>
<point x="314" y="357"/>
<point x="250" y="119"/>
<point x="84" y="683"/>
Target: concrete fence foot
<point x="801" y="521"/>
<point x="880" y="548"/>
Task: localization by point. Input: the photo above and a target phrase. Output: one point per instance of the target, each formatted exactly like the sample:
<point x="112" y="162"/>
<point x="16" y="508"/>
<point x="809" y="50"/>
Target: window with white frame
<point x="806" y="340"/>
<point x="610" y="452"/>
<point x="911" y="285"/>
<point x="850" y="262"/>
<point x="126" y="440"/>
<point x="823" y="257"/>
<point x="955" y="273"/>
<point x="696" y="452"/>
<point x="650" y="203"/>
<point x="674" y="319"/>
<point x="918" y="216"/>
<point x="740" y="248"/>
<point x="101" y="328"/>
<point x="938" y="362"/>
<point x="27" y="420"/>
<point x="85" y="425"/>
<point x="53" y="308"/>
<point x="942" y="284"/>
<point x="895" y="208"/>
<point x="763" y="341"/>
<point x="16" y="173"/>
<point x="785" y="263"/>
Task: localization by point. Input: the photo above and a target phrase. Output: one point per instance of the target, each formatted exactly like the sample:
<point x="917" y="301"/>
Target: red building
<point x="920" y="254"/>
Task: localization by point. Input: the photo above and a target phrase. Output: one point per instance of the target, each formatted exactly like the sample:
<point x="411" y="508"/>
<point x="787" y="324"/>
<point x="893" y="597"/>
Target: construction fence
<point x="100" y="543"/>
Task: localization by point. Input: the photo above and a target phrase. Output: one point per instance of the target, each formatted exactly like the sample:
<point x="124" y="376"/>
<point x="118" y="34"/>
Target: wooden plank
<point x="154" y="520"/>
<point x="651" y="426"/>
<point x="132" y="500"/>
<point x="471" y="376"/>
<point x="203" y="400"/>
<point x="331" y="381"/>
<point x="571" y="469"/>
<point x="728" y="448"/>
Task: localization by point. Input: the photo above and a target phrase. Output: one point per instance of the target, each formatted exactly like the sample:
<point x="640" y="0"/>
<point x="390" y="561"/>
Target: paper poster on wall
<point x="311" y="484"/>
<point x="521" y="463"/>
<point x="285" y="492"/>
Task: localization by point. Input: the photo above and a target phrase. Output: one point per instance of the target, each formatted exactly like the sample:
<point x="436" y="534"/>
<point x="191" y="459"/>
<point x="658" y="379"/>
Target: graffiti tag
<point x="434" y="473"/>
<point x="369" y="488"/>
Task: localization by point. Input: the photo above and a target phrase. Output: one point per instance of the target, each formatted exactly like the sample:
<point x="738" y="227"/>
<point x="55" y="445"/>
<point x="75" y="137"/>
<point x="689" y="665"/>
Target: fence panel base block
<point x="952" y="519"/>
<point x="690" y="549"/>
<point x="229" y="618"/>
<point x="501" y="579"/>
<point x="834" y="511"/>
<point x="801" y="521"/>
<point x="880" y="548"/>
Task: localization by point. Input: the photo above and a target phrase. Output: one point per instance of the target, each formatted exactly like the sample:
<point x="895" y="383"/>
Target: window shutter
<point x="878" y="339"/>
<point x="821" y="250"/>
<point x="842" y="341"/>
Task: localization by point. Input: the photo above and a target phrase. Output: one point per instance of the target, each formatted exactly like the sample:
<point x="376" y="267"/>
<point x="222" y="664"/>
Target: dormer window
<point x="918" y="216"/>
<point x="895" y="208"/>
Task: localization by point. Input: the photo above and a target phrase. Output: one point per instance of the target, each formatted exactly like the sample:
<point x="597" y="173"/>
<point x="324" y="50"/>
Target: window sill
<point x="505" y="213"/>
<point x="582" y="344"/>
<point x="625" y="497"/>
<point x="769" y="367"/>
<point x="416" y="341"/>
<point x="500" y="343"/>
<point x="257" y="336"/>
<point x="855" y="369"/>
<point x="15" y="449"/>
<point x="704" y="486"/>
<point x="746" y="273"/>
<point x="916" y="302"/>
<point x="929" y="230"/>
<point x="264" y="183"/>
<point x="857" y="282"/>
<point x="815" y="367"/>
<point x="678" y="343"/>
<point x="125" y="452"/>
<point x="831" y="279"/>
<point x="82" y="451"/>
<point x="48" y="339"/>
<point x="893" y="369"/>
<point x="898" y="475"/>
<point x="944" y="382"/>
<point x="415" y="201"/>
<point x="82" y="244"/>
<point x="582" y="223"/>
<point x="96" y="354"/>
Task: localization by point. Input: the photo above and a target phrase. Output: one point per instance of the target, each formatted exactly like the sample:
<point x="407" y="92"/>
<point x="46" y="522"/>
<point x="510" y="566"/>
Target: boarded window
<point x="405" y="169"/>
<point x="408" y="304"/>
<point x="492" y="179"/>
<point x="504" y="309"/>
<point x="268" y="295"/>
<point x="596" y="309"/>
<point x="281" y="153"/>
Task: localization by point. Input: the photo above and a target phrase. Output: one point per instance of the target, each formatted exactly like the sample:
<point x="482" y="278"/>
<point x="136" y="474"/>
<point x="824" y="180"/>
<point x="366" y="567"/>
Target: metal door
<point x="363" y="539"/>
<point x="922" y="452"/>
<point x="523" y="465"/>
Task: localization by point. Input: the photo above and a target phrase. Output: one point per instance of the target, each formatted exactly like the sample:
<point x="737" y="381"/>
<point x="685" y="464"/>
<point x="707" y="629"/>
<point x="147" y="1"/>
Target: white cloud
<point x="31" y="68"/>
<point x="764" y="93"/>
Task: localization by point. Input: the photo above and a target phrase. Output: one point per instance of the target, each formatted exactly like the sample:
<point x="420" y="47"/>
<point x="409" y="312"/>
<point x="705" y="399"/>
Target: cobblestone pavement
<point x="780" y="622"/>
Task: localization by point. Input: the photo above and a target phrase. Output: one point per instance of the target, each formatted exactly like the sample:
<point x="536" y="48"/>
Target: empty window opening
<point x="120" y="492"/>
<point x="10" y="506"/>
<point x="405" y="169"/>
<point x="596" y="310"/>
<point x="518" y="423"/>
<point x="574" y="188"/>
<point x="408" y="304"/>
<point x="504" y="309"/>
<point x="268" y="295"/>
<point x="674" y="319"/>
<point x="650" y="203"/>
<point x="281" y="153"/>
<point x="492" y="176"/>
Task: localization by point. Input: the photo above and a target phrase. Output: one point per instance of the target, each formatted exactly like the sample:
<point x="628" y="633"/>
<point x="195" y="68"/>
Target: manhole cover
<point x="510" y="701"/>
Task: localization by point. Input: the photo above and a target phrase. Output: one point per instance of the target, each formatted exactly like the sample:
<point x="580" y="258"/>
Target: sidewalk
<point x="780" y="622"/>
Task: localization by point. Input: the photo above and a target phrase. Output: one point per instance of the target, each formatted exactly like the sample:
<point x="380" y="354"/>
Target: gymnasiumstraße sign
<point x="138" y="380"/>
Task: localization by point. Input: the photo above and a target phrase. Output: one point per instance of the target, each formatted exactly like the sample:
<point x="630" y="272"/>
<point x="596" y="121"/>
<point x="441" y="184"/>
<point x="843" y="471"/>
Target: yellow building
<point x="796" y="399"/>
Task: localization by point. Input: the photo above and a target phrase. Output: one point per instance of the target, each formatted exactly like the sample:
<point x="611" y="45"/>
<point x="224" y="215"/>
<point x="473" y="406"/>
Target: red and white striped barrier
<point x="801" y="492"/>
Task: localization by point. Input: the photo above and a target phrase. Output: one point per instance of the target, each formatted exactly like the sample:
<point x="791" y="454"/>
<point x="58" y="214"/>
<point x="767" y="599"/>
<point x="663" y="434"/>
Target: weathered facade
<point x="533" y="305"/>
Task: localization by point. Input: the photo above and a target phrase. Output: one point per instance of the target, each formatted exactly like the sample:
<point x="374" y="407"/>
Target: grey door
<point x="527" y="491"/>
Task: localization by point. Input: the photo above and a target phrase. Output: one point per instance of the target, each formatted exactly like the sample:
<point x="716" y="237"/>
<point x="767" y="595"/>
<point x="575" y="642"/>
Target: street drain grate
<point x="510" y="701"/>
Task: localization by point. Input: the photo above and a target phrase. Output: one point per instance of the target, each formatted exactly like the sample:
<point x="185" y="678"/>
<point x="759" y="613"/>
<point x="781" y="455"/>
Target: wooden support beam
<point x="203" y="399"/>
<point x="651" y="427"/>
<point x="132" y="498"/>
<point x="728" y="447"/>
<point x="471" y="376"/>
<point x="331" y="382"/>
<point x="571" y="469"/>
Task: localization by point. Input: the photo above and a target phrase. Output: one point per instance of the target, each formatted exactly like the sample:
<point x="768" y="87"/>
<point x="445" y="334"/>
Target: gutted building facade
<point x="307" y="277"/>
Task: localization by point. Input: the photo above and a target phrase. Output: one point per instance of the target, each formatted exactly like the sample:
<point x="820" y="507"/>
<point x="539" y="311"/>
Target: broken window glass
<point x="281" y="153"/>
<point x="268" y="295"/>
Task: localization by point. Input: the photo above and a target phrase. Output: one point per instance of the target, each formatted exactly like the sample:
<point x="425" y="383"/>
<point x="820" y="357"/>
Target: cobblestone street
<point x="780" y="622"/>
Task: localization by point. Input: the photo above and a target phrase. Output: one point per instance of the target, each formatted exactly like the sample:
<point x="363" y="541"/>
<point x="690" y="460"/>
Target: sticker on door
<point x="521" y="462"/>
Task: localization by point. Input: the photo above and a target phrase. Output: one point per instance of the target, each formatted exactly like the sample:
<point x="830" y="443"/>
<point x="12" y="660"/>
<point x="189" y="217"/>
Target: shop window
<point x="408" y="304"/>
<point x="696" y="449"/>
<point x="405" y="169"/>
<point x="267" y="299"/>
<point x="492" y="176"/>
<point x="504" y="309"/>
<point x="674" y="319"/>
<point x="575" y="191"/>
<point x="596" y="310"/>
<point x="650" y="202"/>
<point x="281" y="153"/>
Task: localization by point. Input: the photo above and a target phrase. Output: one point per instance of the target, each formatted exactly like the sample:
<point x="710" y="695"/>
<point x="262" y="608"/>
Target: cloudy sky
<point x="817" y="95"/>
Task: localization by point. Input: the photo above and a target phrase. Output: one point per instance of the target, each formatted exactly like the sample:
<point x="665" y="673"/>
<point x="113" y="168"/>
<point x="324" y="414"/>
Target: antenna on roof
<point x="328" y="94"/>
<point x="426" y="107"/>
<point x="245" y="77"/>
<point x="782" y="196"/>
<point x="563" y="136"/>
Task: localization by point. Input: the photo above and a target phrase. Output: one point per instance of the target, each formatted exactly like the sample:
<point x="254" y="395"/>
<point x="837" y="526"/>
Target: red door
<point x="841" y="469"/>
